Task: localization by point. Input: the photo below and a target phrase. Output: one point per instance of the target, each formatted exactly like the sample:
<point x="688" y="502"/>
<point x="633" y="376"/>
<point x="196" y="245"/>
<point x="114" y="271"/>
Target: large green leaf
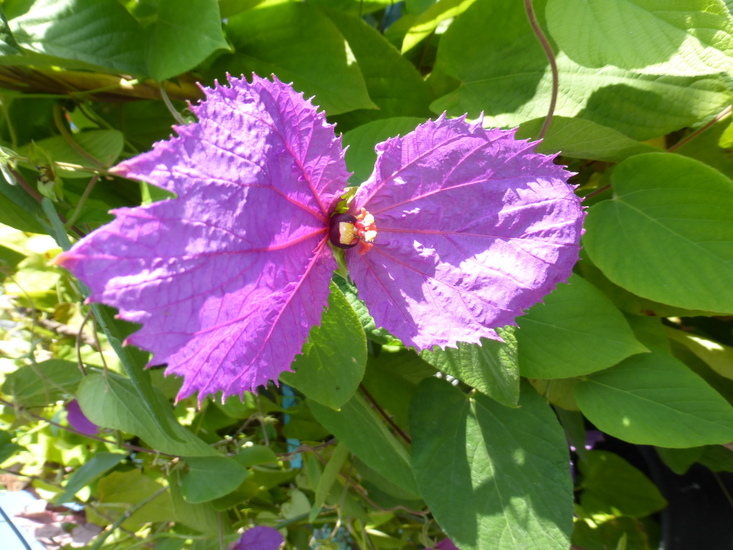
<point x="667" y="235"/>
<point x="301" y="45"/>
<point x="211" y="477"/>
<point x="576" y="331"/>
<point x="491" y="366"/>
<point x="42" y="384"/>
<point x="169" y="53"/>
<point x="94" y="34"/>
<point x="392" y="81"/>
<point x="613" y="486"/>
<point x="372" y="442"/>
<point x="495" y="478"/>
<point x="491" y="50"/>
<point x="654" y="399"/>
<point x="682" y="37"/>
<point x="112" y="401"/>
<point x="334" y="357"/>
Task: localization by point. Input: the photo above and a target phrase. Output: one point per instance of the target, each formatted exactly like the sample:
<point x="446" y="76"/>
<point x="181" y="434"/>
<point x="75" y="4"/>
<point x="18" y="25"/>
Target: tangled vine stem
<point x="553" y="64"/>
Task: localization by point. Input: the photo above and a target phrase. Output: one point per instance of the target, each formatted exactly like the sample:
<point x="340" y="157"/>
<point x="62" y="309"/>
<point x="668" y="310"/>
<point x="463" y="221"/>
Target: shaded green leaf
<point x="654" y="399"/>
<point x="477" y="464"/>
<point x="667" y="234"/>
<point x="576" y="331"/>
<point x="613" y="486"/>
<point x="372" y="442"/>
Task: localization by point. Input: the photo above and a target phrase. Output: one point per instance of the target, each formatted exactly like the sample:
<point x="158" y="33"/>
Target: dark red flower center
<point x="347" y="230"/>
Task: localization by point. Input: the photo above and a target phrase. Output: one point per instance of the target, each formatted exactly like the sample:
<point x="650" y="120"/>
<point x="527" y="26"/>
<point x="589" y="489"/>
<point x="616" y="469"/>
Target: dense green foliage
<point x="638" y="345"/>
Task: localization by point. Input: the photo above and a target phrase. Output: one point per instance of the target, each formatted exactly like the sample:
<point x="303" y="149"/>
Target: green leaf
<point x="42" y="384"/>
<point x="718" y="356"/>
<point x="119" y="492"/>
<point x="426" y="23"/>
<point x="7" y="447"/>
<point x="252" y="455"/>
<point x="576" y="331"/>
<point x="491" y="366"/>
<point x="111" y="401"/>
<point x="328" y="478"/>
<point x="103" y="145"/>
<point x="167" y="56"/>
<point x="8" y="44"/>
<point x="503" y="71"/>
<point x="680" y="460"/>
<point x="667" y="235"/>
<point x="583" y="139"/>
<point x="391" y="379"/>
<point x="654" y="399"/>
<point x="91" y="470"/>
<point x="495" y="478"/>
<point x="334" y="357"/>
<point x="379" y="335"/>
<point x="88" y="34"/>
<point x="613" y="486"/>
<point x="211" y="477"/>
<point x="392" y="81"/>
<point x="203" y="517"/>
<point x="628" y="302"/>
<point x="18" y="209"/>
<point x="133" y="361"/>
<point x="360" y="143"/>
<point x="299" y="44"/>
<point x="372" y="442"/>
<point x="680" y="37"/>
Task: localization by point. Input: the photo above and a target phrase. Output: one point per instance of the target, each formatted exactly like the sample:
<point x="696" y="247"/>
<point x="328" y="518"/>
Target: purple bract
<point x="460" y="230"/>
<point x="259" y="538"/>
<point x="78" y="420"/>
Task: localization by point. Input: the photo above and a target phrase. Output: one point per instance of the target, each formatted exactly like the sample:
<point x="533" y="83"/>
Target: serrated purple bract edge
<point x="473" y="228"/>
<point x="228" y="278"/>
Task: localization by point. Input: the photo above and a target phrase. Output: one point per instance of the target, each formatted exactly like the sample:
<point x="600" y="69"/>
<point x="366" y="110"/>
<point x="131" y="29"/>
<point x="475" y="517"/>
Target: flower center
<point x="347" y="230"/>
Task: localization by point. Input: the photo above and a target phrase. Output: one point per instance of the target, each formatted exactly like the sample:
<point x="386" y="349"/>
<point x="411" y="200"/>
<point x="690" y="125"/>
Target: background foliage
<point x="367" y="447"/>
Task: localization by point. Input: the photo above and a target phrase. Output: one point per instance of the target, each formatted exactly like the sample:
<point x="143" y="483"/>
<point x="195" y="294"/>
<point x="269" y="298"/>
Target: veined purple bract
<point x="468" y="228"/>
